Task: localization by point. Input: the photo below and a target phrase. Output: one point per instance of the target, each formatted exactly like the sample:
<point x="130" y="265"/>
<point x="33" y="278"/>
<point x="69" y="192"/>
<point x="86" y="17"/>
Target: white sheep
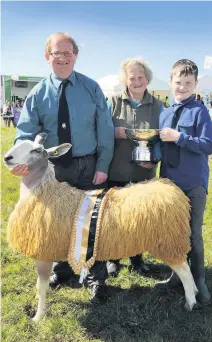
<point x="149" y="217"/>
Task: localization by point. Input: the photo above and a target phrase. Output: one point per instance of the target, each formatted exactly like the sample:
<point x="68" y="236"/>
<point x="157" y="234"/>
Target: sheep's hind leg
<point x="185" y="275"/>
<point x="44" y="270"/>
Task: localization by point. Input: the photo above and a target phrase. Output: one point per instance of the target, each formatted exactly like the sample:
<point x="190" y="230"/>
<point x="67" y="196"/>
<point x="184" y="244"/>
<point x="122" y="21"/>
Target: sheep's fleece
<point x="151" y="216"/>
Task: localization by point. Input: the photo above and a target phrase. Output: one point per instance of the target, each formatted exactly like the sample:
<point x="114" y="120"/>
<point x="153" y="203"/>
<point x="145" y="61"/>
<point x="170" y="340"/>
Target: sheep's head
<point x="30" y="153"/>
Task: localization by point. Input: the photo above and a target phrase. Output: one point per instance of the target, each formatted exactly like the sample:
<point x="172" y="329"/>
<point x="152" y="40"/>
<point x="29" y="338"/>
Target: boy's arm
<point x="202" y="142"/>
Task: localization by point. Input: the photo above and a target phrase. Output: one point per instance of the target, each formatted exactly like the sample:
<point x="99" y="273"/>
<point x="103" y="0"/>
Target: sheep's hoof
<point x="189" y="307"/>
<point x="37" y="318"/>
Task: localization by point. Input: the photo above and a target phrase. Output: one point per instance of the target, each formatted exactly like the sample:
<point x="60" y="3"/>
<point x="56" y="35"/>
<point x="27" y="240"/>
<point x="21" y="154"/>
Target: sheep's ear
<point x="40" y="139"/>
<point x="57" y="151"/>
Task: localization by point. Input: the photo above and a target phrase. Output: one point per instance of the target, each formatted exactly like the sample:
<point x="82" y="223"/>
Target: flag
<point x="208" y="62"/>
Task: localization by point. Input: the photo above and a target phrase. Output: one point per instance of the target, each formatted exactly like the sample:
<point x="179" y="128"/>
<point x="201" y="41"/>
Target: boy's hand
<point x="169" y="134"/>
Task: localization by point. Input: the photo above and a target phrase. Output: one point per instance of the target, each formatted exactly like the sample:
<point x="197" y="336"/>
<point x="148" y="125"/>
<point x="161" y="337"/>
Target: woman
<point x="134" y="107"/>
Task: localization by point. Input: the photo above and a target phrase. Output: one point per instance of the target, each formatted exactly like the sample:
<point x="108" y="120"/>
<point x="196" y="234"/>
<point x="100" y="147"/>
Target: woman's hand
<point x="120" y="133"/>
<point x="146" y="165"/>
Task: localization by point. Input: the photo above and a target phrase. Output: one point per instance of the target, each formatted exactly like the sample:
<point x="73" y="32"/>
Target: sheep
<point x="151" y="216"/>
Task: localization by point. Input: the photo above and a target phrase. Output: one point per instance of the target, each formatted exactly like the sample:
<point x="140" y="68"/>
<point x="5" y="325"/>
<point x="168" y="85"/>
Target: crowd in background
<point x="12" y="111"/>
<point x="166" y="101"/>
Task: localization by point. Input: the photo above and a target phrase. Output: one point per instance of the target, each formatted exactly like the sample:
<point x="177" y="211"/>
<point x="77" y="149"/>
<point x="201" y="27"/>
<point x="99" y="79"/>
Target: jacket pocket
<point x="186" y="127"/>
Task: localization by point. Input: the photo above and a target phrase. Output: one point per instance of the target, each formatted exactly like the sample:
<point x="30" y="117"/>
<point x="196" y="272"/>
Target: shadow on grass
<point x="140" y="313"/>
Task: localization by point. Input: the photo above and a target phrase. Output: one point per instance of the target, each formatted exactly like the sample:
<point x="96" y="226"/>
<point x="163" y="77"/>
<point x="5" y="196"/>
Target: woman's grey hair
<point x="134" y="61"/>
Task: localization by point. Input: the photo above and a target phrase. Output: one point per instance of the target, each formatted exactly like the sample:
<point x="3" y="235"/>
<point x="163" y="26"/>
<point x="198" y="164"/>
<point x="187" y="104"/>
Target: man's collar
<point x="184" y="102"/>
<point x="57" y="80"/>
<point x="146" y="99"/>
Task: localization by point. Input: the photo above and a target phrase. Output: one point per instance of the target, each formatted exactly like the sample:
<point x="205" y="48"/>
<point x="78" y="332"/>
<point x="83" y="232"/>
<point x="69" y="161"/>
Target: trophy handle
<point x="130" y="135"/>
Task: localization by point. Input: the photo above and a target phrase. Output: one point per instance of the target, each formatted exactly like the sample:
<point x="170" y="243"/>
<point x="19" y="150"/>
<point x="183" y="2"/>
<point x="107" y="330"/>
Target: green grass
<point x="134" y="312"/>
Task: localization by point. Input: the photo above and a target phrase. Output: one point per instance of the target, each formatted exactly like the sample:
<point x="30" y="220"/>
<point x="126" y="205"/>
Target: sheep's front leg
<point x="44" y="270"/>
<point x="185" y="275"/>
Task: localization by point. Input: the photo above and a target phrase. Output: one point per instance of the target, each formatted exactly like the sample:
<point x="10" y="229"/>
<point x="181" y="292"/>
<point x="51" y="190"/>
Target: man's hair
<point x="62" y="35"/>
<point x="187" y="68"/>
<point x="130" y="62"/>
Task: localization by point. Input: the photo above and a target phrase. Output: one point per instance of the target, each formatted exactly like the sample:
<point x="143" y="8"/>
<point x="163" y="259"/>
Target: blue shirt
<point x="195" y="144"/>
<point x="91" y="124"/>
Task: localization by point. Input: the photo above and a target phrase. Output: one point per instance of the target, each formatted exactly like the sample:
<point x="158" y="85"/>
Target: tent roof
<point x="204" y="82"/>
<point x="110" y="84"/>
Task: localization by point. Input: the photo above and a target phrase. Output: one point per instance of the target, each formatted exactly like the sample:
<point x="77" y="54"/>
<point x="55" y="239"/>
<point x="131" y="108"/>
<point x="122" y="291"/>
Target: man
<point x="88" y="126"/>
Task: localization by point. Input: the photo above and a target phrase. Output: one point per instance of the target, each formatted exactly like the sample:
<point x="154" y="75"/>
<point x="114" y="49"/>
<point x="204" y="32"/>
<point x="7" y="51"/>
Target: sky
<point x="107" y="33"/>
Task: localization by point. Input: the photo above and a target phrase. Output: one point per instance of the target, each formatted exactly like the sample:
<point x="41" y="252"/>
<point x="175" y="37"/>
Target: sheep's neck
<point x="35" y="177"/>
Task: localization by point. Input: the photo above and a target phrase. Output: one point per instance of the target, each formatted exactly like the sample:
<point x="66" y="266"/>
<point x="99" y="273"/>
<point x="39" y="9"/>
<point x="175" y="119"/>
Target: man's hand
<point x="120" y="133"/>
<point x="169" y="134"/>
<point x="99" y="177"/>
<point x="146" y="165"/>
<point x="19" y="170"/>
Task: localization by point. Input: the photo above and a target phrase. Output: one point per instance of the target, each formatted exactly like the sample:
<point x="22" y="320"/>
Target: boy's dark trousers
<point x="197" y="198"/>
<point x="80" y="174"/>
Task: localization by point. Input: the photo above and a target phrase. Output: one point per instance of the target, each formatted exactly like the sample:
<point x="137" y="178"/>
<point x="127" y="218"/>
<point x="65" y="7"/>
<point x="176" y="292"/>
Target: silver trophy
<point x="143" y="140"/>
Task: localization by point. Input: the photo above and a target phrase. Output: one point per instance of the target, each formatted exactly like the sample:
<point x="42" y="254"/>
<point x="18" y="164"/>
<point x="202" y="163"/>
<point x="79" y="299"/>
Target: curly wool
<point x="40" y="225"/>
<point x="151" y="216"/>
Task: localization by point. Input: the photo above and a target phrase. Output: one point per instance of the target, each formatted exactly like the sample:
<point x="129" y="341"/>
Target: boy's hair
<point x="187" y="68"/>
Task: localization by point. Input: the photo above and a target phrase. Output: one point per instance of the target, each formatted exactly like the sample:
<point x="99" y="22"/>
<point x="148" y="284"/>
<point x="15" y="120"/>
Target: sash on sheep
<point x="84" y="239"/>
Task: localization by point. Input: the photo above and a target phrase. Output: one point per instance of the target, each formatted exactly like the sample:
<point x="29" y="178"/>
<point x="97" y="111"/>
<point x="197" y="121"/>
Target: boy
<point x="186" y="131"/>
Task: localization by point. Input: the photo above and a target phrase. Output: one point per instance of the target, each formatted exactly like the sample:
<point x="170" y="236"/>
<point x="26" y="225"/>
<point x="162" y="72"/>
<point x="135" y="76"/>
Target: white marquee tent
<point x="111" y="86"/>
<point x="204" y="82"/>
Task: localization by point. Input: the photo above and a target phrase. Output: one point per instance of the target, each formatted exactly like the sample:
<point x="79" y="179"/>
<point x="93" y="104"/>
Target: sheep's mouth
<point x="9" y="163"/>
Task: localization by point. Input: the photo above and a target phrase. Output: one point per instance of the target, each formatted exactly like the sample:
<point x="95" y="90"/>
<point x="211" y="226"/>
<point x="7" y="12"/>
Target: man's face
<point x="182" y="86"/>
<point x="61" y="65"/>
<point x="136" y="80"/>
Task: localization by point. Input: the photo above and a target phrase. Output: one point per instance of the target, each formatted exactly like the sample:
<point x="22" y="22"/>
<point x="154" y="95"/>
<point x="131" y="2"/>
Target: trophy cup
<point x="144" y="140"/>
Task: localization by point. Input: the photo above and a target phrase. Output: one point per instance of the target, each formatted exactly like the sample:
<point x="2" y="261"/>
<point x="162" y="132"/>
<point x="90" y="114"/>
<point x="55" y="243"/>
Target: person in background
<point x="87" y="125"/>
<point x="186" y="132"/>
<point x="17" y="111"/>
<point x="7" y="113"/>
<point x="166" y="102"/>
<point x="134" y="106"/>
<point x="198" y="98"/>
<point x="158" y="97"/>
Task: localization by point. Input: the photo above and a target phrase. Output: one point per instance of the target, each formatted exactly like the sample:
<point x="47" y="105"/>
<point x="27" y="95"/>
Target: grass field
<point x="135" y="312"/>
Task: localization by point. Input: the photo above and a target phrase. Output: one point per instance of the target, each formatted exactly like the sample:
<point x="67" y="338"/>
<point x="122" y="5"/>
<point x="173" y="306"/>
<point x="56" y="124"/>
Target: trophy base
<point x="141" y="153"/>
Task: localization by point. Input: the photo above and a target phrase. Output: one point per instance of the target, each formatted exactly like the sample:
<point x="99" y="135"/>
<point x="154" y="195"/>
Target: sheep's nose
<point x="8" y="158"/>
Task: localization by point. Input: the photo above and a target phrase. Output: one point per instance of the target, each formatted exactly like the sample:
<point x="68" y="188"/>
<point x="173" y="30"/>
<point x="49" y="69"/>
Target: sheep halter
<point x="84" y="240"/>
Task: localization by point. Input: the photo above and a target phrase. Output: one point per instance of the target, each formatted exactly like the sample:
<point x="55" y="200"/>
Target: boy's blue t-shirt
<point x="195" y="144"/>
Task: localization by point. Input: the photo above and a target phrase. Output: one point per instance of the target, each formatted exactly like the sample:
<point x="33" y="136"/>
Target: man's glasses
<point x="58" y="54"/>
